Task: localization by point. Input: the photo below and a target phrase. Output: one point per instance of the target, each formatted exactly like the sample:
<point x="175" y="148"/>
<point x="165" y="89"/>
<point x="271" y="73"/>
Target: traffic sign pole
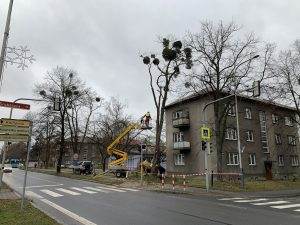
<point x="26" y="167"/>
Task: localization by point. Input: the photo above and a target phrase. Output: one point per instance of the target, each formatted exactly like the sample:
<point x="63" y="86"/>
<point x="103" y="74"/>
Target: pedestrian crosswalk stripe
<point x="130" y="189"/>
<point x="270" y="203"/>
<point x="32" y="194"/>
<point x="286" y="206"/>
<point x="68" y="191"/>
<point x="96" y="189"/>
<point x="251" y="200"/>
<point x="83" y="190"/>
<point x="227" y="199"/>
<point x="51" y="193"/>
<point x="111" y="189"/>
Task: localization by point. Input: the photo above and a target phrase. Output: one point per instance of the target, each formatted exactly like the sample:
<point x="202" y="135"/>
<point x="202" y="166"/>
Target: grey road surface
<point x="81" y="202"/>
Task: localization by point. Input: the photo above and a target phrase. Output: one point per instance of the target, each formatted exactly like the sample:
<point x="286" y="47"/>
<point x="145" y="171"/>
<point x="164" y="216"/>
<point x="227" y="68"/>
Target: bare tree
<point x="287" y="69"/>
<point x="224" y="63"/>
<point x="62" y="83"/>
<point x="108" y="125"/>
<point x="162" y="74"/>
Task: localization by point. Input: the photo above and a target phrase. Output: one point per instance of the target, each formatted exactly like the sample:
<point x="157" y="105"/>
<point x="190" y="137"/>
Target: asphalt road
<point x="80" y="202"/>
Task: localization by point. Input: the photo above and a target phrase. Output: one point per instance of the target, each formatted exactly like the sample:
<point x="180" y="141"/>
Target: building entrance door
<point x="268" y="167"/>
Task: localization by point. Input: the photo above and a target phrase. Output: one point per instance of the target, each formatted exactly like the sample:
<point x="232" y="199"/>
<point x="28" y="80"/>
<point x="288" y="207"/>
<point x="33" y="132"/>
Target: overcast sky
<point x="102" y="40"/>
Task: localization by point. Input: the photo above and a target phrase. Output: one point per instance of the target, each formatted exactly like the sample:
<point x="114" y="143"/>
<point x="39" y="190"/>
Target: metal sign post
<point x="26" y="167"/>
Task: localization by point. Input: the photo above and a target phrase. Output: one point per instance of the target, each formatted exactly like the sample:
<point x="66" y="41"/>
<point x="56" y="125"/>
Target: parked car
<point x="84" y="167"/>
<point x="7" y="169"/>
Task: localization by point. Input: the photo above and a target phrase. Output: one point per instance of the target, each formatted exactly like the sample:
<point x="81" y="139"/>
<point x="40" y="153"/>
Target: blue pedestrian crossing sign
<point x="205" y="133"/>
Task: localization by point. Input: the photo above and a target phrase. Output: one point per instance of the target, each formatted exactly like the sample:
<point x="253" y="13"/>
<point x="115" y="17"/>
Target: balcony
<point x="182" y="145"/>
<point x="181" y="122"/>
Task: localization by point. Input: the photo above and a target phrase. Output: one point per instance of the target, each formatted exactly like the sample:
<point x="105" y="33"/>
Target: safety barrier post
<point x="173" y="182"/>
<point x="184" y="184"/>
<point x="162" y="181"/>
<point x="212" y="178"/>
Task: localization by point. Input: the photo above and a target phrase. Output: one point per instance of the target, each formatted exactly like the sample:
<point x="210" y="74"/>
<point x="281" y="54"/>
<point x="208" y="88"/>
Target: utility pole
<point x="5" y="39"/>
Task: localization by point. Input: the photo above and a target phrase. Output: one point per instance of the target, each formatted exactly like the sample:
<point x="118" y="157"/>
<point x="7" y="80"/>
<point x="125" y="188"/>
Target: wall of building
<point x="194" y="158"/>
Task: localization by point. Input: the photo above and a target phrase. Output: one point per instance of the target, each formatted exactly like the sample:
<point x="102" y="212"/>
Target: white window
<point x="295" y="160"/>
<point x="248" y="113"/>
<point x="231" y="110"/>
<point x="231" y="134"/>
<point x="179" y="160"/>
<point x="177" y="114"/>
<point x="178" y="137"/>
<point x="288" y="121"/>
<point x="278" y="140"/>
<point x="252" y="159"/>
<point x="249" y="134"/>
<point x="233" y="159"/>
<point x="291" y="140"/>
<point x="275" y="118"/>
<point x="280" y="160"/>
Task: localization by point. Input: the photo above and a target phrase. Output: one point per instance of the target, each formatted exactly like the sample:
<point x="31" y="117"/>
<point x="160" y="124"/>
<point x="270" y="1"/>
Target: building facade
<point x="269" y="138"/>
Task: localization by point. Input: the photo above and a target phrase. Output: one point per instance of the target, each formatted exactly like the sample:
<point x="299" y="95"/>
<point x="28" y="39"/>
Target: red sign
<point x="14" y="105"/>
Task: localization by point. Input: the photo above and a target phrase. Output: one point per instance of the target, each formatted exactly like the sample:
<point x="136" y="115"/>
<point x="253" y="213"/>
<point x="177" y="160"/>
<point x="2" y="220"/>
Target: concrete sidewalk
<point x="8" y="193"/>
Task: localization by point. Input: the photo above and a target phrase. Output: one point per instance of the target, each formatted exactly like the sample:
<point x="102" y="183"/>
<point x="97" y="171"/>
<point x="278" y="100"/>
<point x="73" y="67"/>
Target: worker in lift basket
<point x="147" y="119"/>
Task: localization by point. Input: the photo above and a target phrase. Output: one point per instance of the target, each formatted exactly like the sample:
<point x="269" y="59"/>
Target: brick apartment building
<point x="268" y="131"/>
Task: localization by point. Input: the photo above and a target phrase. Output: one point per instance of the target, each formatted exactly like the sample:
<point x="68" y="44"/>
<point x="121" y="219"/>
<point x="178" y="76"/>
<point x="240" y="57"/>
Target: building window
<point x="263" y="131"/>
<point x="231" y="134"/>
<point x="291" y="140"/>
<point x="231" y="110"/>
<point x="252" y="159"/>
<point x="249" y="134"/>
<point x="278" y="140"/>
<point x="180" y="114"/>
<point x="280" y="160"/>
<point x="288" y="121"/>
<point x="178" y="137"/>
<point x="248" y="113"/>
<point x="179" y="160"/>
<point x="84" y="156"/>
<point x="295" y="160"/>
<point x="233" y="159"/>
<point x="275" y="119"/>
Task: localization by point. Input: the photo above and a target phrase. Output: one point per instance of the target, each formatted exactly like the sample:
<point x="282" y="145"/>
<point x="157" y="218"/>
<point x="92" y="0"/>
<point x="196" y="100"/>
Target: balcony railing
<point x="181" y="122"/>
<point x="181" y="145"/>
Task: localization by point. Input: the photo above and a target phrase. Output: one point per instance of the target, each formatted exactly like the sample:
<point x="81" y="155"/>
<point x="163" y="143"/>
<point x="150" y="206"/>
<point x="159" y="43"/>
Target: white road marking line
<point x="96" y="189"/>
<point x="226" y="199"/>
<point x="68" y="213"/>
<point x="297" y="210"/>
<point x="286" y="206"/>
<point x="32" y="194"/>
<point x="83" y="190"/>
<point x="130" y="189"/>
<point x="51" y="193"/>
<point x="251" y="200"/>
<point x="271" y="203"/>
<point x="68" y="191"/>
<point x="111" y="189"/>
<point x="47" y="185"/>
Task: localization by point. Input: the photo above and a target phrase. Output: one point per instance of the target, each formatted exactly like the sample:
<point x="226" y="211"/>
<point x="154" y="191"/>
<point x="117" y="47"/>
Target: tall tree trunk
<point x="62" y="144"/>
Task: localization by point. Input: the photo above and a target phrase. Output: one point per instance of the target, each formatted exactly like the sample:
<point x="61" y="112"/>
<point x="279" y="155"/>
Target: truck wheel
<point x="118" y="174"/>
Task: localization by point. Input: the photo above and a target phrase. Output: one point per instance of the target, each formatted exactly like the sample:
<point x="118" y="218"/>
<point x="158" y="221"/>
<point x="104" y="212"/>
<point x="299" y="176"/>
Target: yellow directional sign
<point x="13" y="138"/>
<point x="12" y="122"/>
<point x="14" y="130"/>
<point x="205" y="133"/>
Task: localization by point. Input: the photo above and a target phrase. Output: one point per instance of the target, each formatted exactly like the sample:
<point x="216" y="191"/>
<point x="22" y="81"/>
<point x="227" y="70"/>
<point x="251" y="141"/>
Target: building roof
<point x="197" y="96"/>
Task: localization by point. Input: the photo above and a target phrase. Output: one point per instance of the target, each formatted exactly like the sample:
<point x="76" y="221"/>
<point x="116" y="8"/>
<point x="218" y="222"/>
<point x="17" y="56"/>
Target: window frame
<point x="281" y="160"/>
<point x="231" y="134"/>
<point x="252" y="159"/>
<point x="233" y="159"/>
<point x="278" y="139"/>
<point x="292" y="140"/>
<point x="248" y="113"/>
<point x="288" y="121"/>
<point x="275" y="118"/>
<point x="231" y="110"/>
<point x="179" y="159"/>
<point x="249" y="133"/>
<point x="179" y="136"/>
<point x="294" y="160"/>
